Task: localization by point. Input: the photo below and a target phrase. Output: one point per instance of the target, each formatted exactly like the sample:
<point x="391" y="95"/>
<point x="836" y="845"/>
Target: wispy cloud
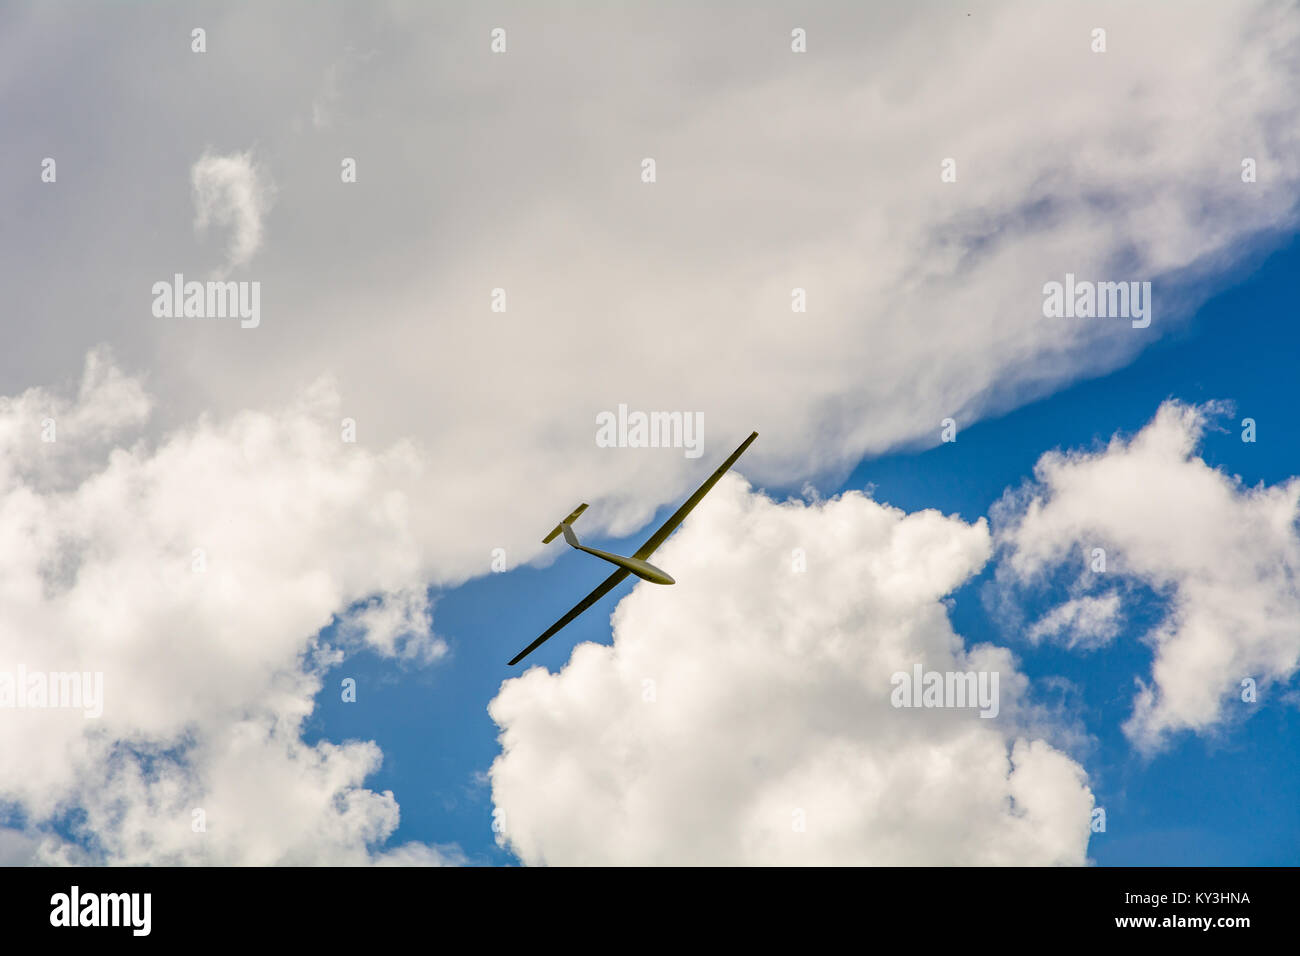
<point x="234" y="193"/>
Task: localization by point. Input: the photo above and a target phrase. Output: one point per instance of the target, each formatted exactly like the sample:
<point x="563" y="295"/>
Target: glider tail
<point x="563" y="527"/>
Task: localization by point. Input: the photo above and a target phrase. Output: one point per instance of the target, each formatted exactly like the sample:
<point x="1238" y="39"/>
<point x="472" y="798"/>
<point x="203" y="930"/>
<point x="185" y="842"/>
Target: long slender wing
<point x="656" y="539"/>
<point x="669" y="526"/>
<point x="601" y="590"/>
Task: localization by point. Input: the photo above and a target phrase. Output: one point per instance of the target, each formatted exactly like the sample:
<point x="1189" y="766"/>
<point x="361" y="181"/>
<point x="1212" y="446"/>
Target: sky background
<point x="1221" y="802"/>
<point x="231" y="521"/>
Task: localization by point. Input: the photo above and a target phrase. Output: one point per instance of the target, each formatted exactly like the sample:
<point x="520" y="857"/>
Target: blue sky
<point x="1232" y="800"/>
<point x="468" y="231"/>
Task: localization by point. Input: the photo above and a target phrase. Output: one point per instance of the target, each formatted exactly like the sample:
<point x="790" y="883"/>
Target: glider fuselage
<point x="637" y="563"/>
<point x="642" y="569"/>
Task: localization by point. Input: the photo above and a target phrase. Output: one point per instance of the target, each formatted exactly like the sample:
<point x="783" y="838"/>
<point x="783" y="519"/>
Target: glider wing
<point x="669" y="526"/>
<point x="601" y="590"/>
<point x="656" y="539"/>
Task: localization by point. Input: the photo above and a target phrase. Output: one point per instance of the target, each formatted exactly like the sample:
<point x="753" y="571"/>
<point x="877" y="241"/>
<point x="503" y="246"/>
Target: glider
<point x="637" y="563"/>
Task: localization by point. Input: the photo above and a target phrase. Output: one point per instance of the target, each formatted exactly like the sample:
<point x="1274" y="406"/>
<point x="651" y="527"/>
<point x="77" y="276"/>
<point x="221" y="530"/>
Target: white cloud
<point x="1082" y="623"/>
<point x="1226" y="556"/>
<point x="232" y="192"/>
<point x="195" y="575"/>
<point x="398" y="624"/>
<point x="771" y="696"/>
<point x="817" y="170"/>
<point x="420" y="854"/>
<point x="779" y="170"/>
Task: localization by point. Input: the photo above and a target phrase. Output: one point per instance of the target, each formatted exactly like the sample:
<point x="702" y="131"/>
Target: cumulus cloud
<point x="743" y="716"/>
<point x="1226" y="556"/>
<point x="818" y="171"/>
<point x="234" y="193"/>
<point x="195" y="574"/>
